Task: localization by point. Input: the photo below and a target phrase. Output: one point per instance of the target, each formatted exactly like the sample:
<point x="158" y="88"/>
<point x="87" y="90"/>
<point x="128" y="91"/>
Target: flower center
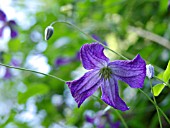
<point x="105" y="73"/>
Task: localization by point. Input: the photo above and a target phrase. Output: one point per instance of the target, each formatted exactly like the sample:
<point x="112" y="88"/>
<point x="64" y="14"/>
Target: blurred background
<point x="129" y="27"/>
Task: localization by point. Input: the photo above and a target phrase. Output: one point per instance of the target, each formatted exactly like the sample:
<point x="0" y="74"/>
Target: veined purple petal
<point x="110" y="94"/>
<point x="2" y="16"/>
<point x="85" y="86"/>
<point x="92" y="56"/>
<point x="133" y="72"/>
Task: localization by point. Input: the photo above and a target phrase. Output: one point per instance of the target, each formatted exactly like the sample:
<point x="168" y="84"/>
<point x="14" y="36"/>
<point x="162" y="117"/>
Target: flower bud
<point x="48" y="32"/>
<point x="149" y="71"/>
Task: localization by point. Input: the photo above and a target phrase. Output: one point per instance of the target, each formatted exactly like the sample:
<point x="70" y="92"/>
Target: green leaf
<point x="163" y="6"/>
<point x="35" y="89"/>
<point x="166" y="75"/>
<point x="160" y="75"/>
<point x="157" y="89"/>
<point x="14" y="45"/>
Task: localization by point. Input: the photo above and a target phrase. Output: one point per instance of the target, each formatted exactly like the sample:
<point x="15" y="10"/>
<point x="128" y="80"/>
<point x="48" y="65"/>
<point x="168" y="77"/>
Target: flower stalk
<point x="121" y="118"/>
<point x="154" y="102"/>
<point x="24" y="69"/>
<point x="159" y="118"/>
<point x="74" y="26"/>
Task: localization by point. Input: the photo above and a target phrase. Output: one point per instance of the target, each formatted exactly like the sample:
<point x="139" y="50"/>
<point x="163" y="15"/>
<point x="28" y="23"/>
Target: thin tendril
<point x="121" y="118"/>
<point x="167" y="119"/>
<point x="160" y="123"/>
<point x="23" y="69"/>
<point x="107" y="108"/>
<point x="162" y="81"/>
<point x="74" y="26"/>
<point x="118" y="114"/>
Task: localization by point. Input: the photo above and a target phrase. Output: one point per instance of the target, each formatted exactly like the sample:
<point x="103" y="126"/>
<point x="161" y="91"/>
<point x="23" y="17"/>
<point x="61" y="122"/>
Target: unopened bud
<point x="149" y="71"/>
<point x="48" y="32"/>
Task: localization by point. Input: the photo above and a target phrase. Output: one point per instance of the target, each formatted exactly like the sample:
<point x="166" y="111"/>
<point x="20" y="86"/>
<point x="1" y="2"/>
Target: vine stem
<point x="121" y="118"/>
<point x="159" y="118"/>
<point x="162" y="81"/>
<point x="167" y="119"/>
<point x="74" y="26"/>
<point x="107" y="108"/>
<point x="118" y="114"/>
<point x="24" y="69"/>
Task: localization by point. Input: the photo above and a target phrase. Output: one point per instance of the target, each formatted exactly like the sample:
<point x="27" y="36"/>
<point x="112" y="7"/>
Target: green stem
<point x="97" y="98"/>
<point x="74" y="26"/>
<point x="121" y="118"/>
<point x="164" y="115"/>
<point x="23" y="69"/>
<point x="118" y="114"/>
<point x="106" y="109"/>
<point x="160" y="123"/>
<point x="167" y="119"/>
<point x="162" y="81"/>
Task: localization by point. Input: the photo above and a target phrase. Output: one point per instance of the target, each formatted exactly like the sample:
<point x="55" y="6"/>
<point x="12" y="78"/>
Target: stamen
<point x="105" y="73"/>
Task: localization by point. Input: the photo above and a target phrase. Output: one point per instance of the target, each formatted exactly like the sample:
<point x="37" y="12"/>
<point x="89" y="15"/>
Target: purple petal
<point x="2" y="16"/>
<point x="110" y="94"/>
<point x="15" y="62"/>
<point x="77" y="56"/>
<point x="1" y="31"/>
<point x="92" y="56"/>
<point x="89" y="119"/>
<point x="12" y="25"/>
<point x="98" y="39"/>
<point x="100" y="126"/>
<point x="62" y="61"/>
<point x="14" y="33"/>
<point x="8" y="74"/>
<point x="115" y="125"/>
<point x="85" y="86"/>
<point x="133" y="72"/>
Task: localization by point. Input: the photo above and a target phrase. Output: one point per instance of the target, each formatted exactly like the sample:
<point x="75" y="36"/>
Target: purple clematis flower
<point x="8" y="74"/>
<point x="101" y="119"/>
<point x="66" y="60"/>
<point x="105" y="74"/>
<point x="11" y="24"/>
<point x="62" y="61"/>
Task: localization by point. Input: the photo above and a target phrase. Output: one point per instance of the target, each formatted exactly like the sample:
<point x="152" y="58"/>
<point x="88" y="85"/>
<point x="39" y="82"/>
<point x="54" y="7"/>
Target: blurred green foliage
<point x="50" y="99"/>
